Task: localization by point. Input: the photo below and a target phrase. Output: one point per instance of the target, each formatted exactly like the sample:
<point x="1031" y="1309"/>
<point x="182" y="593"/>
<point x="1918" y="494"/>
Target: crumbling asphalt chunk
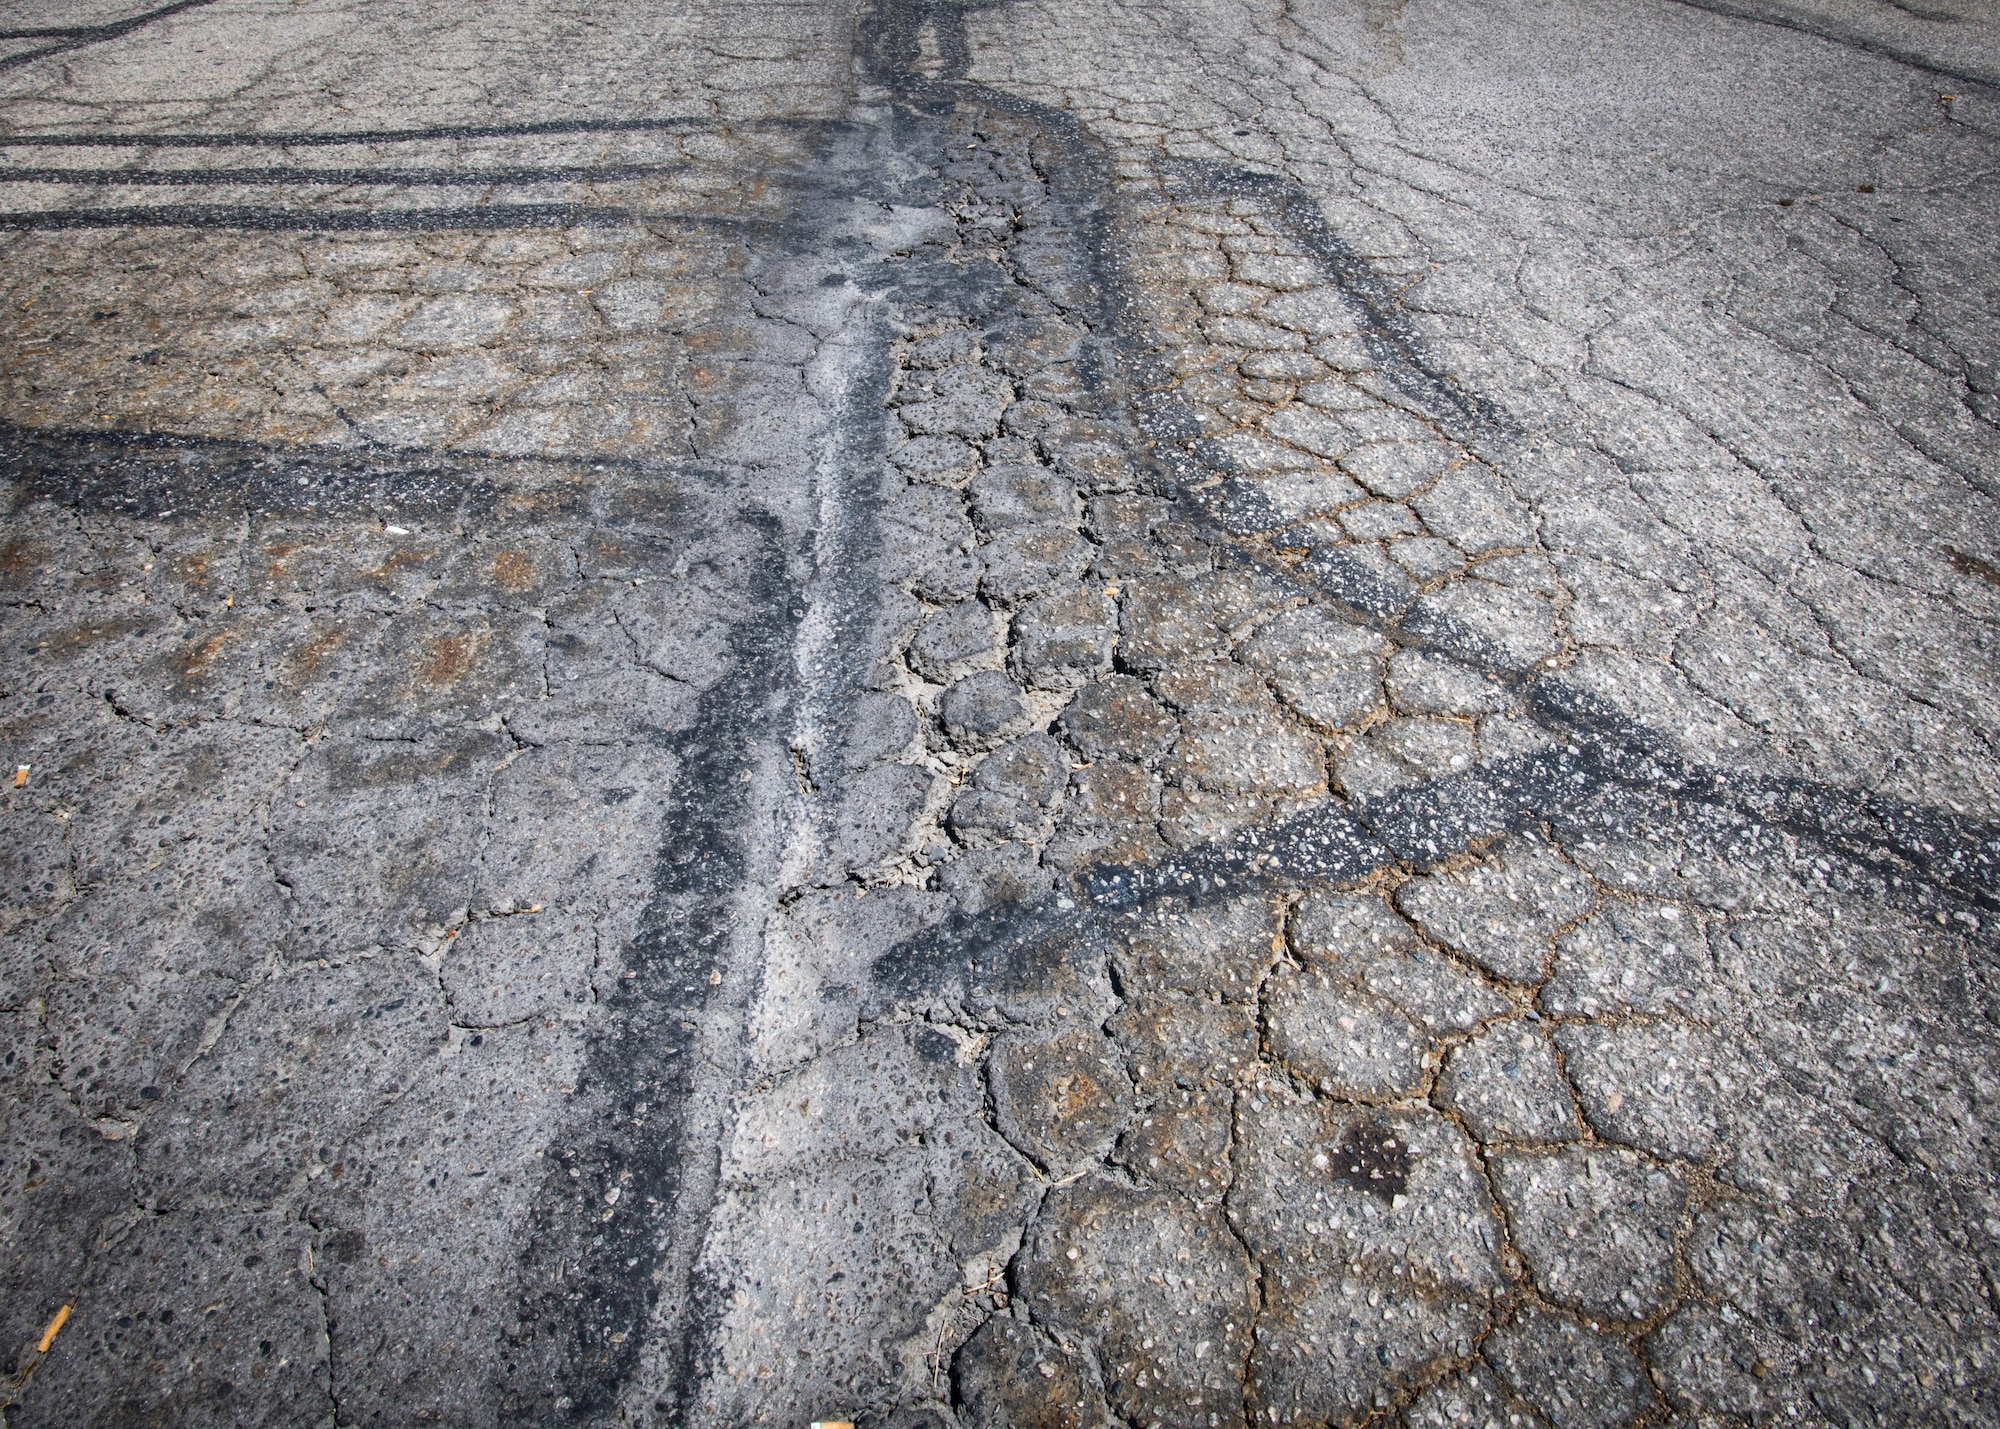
<point x="1173" y="1338"/>
<point x="1506" y="1085"/>
<point x="1010" y="1373"/>
<point x="1058" y="1096"/>
<point x="1577" y="1378"/>
<point x="1597" y="1226"/>
<point x="1503" y="913"/>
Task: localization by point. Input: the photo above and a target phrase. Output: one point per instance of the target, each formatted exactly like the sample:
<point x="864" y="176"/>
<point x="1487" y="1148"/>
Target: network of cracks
<point x="1156" y="924"/>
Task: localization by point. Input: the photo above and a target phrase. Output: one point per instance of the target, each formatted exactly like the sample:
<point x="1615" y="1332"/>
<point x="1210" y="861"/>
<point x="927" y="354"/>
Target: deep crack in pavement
<point x="977" y="715"/>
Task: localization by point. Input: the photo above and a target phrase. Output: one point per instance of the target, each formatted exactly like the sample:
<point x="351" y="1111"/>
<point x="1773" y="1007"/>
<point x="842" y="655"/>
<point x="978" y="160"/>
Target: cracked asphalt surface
<point x="1142" y="713"/>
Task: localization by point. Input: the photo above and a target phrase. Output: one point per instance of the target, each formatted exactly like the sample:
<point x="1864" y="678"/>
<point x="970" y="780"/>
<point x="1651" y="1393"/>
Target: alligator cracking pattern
<point x="516" y="344"/>
<point x="1477" y="1133"/>
<point x="979" y="796"/>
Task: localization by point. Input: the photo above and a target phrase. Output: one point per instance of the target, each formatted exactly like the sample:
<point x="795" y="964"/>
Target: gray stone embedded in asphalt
<point x="1174" y="1339"/>
<point x="1597" y="1226"/>
<point x="1503" y="913"/>
<point x="1343" y="1042"/>
<point x="1577" y="1378"/>
<point x="1010" y="1372"/>
<point x="1506" y="1085"/>
<point x="1470" y="1399"/>
<point x="1656" y="1086"/>
<point x="1223" y="950"/>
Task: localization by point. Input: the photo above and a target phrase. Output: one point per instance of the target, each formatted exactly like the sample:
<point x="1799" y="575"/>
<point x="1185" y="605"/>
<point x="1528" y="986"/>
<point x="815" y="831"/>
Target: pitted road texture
<point x="1028" y="714"/>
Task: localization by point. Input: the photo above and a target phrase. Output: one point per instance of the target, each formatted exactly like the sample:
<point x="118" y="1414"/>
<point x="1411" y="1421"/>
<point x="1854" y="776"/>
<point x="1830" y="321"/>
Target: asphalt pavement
<point x="1040" y="714"/>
